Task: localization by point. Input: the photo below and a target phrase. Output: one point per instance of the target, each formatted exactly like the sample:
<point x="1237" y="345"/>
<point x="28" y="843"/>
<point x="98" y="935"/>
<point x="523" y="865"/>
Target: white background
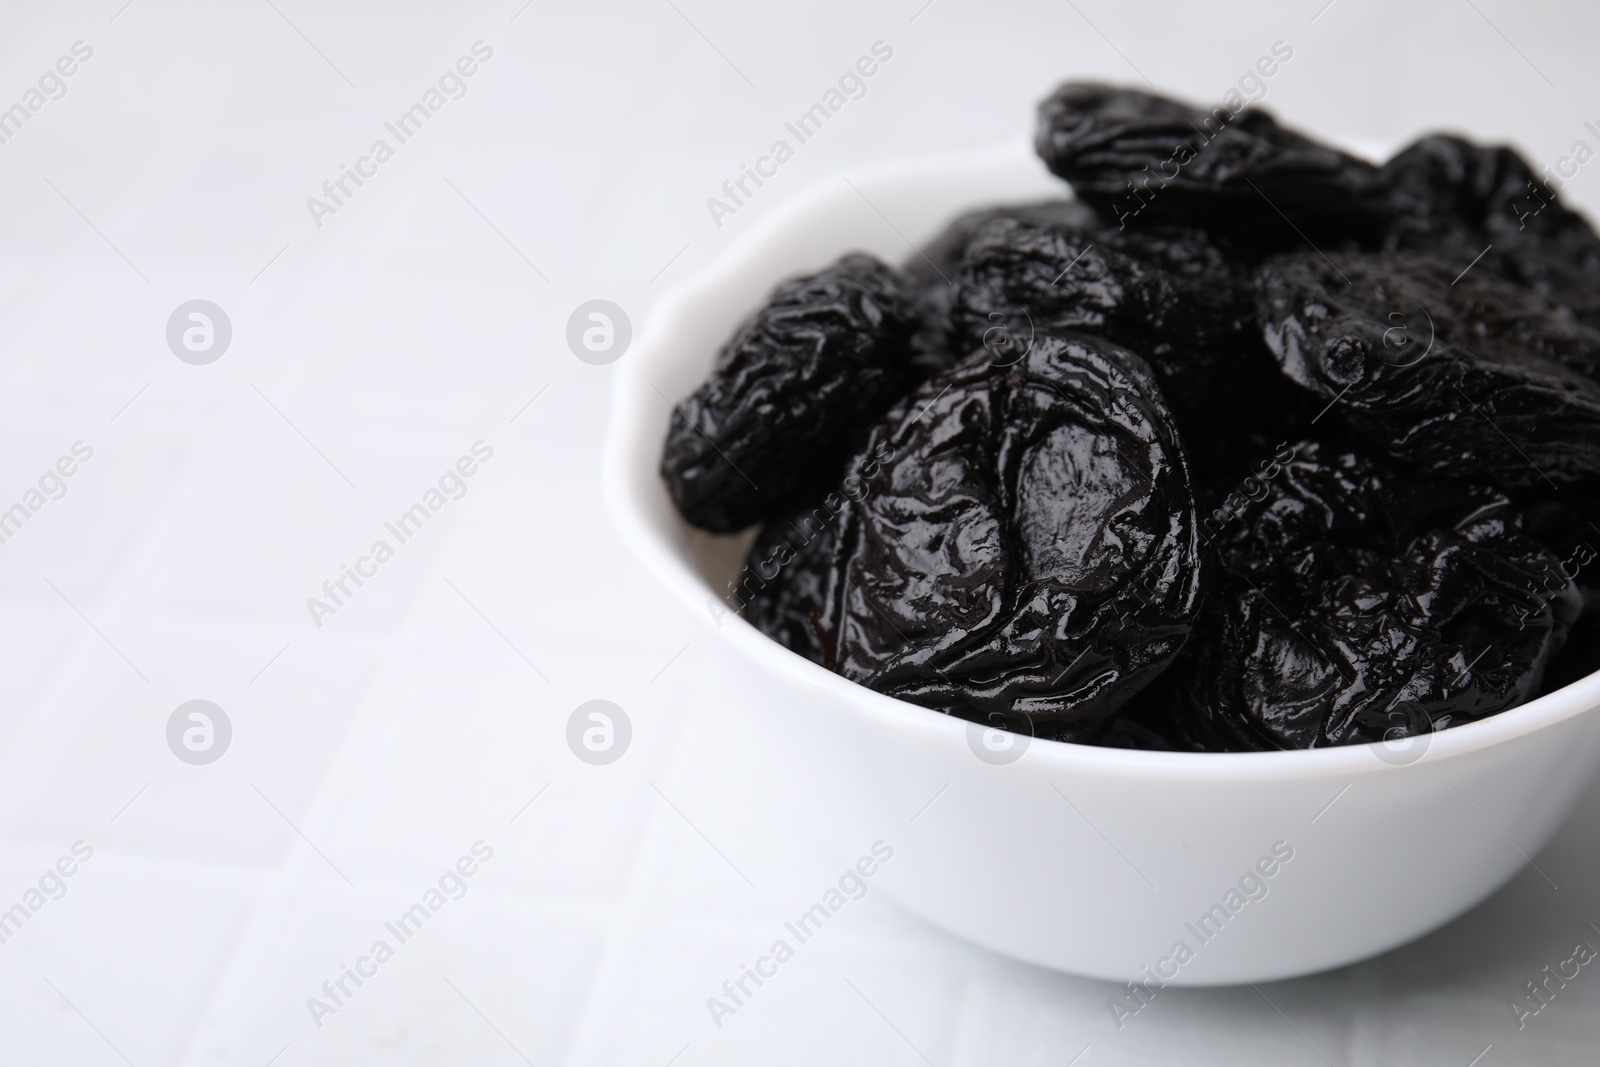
<point x="368" y="354"/>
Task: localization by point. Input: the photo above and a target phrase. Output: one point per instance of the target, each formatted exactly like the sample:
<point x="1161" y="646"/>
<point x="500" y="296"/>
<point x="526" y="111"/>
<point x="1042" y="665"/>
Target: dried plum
<point x="791" y="396"/>
<point x="939" y="260"/>
<point x="1355" y="604"/>
<point x="1165" y="292"/>
<point x="1483" y="204"/>
<point x="1170" y="296"/>
<point x="1030" y="557"/>
<point x="1134" y="154"/>
<point x="1429" y="372"/>
<point x="782" y="584"/>
<point x="934" y="268"/>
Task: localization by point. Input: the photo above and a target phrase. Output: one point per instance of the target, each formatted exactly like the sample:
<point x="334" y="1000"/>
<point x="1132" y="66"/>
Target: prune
<point x="1134" y="154"/>
<point x="1167" y="293"/>
<point x="939" y="259"/>
<point x="1029" y="557"/>
<point x="1137" y="156"/>
<point x="1429" y="372"/>
<point x="934" y="268"/>
<point x="781" y="586"/>
<point x="791" y="395"/>
<point x="1354" y="604"/>
<point x="1171" y="296"/>
<point x="1458" y="201"/>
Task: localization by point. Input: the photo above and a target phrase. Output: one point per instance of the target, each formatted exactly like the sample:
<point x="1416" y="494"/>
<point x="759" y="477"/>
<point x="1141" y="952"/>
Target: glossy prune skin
<point x="1166" y="292"/>
<point x="1138" y="156"/>
<point x="1355" y="604"/>
<point x="934" y="269"/>
<point x="1029" y="557"/>
<point x="1457" y="201"/>
<point x="791" y="396"/>
<point x="1433" y="373"/>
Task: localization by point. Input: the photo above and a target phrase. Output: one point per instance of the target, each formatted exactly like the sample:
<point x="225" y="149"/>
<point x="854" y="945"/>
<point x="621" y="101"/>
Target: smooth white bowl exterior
<point x="1094" y="861"/>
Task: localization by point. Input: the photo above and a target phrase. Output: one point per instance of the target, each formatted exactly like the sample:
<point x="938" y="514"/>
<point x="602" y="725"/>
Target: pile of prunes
<point x="1250" y="445"/>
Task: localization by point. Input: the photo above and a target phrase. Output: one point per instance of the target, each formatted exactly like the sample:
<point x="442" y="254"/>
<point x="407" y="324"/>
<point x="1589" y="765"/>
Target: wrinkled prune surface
<point x="1355" y="604"/>
<point x="1136" y="155"/>
<point x="933" y="271"/>
<point x="791" y="396"/>
<point x="1165" y="292"/>
<point x="1169" y="295"/>
<point x="1432" y="372"/>
<point x="939" y="260"/>
<point x="1029" y="557"/>
<point x="1457" y="201"/>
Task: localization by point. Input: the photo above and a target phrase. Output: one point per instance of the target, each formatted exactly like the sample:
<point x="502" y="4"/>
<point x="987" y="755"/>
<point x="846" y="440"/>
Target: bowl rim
<point x="626" y="445"/>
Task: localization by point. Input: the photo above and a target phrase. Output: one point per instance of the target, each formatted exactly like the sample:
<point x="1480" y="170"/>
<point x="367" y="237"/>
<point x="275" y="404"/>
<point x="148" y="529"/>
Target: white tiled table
<point x="368" y="754"/>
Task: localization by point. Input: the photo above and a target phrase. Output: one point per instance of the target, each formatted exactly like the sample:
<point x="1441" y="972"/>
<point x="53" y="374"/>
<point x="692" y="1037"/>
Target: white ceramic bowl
<point x="1089" y="860"/>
